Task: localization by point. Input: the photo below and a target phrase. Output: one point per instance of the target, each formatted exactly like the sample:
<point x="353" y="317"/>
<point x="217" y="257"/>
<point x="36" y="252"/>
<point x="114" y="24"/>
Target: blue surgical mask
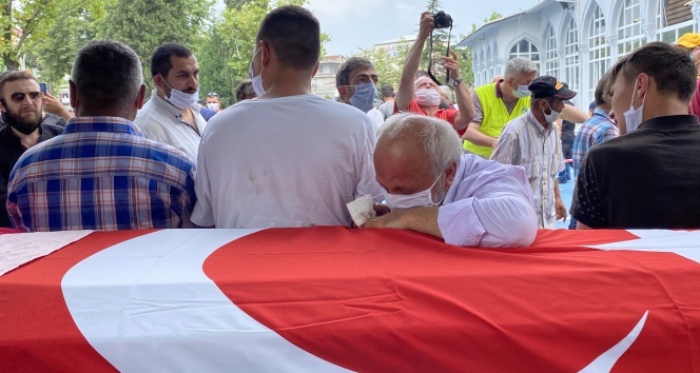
<point x="364" y="97"/>
<point x="522" y="92"/>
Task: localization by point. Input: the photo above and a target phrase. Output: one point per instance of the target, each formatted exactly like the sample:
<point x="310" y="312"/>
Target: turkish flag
<point x="359" y="300"/>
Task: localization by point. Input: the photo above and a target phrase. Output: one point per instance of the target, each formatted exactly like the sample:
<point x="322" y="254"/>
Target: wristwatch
<point x="456" y="82"/>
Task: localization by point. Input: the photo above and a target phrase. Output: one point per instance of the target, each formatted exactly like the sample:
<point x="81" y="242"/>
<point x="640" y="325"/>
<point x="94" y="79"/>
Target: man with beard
<point x="22" y="109"/>
<point x="172" y="114"/>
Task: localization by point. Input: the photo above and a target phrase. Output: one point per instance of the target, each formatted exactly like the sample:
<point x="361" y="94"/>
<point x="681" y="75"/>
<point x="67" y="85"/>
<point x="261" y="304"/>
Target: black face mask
<point x="18" y="124"/>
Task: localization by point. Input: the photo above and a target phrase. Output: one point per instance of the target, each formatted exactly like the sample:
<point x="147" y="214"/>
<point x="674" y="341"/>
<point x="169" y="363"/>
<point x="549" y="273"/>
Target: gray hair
<point x="445" y="90"/>
<point x="440" y="140"/>
<point x="342" y="77"/>
<point x="518" y="66"/>
<point x="107" y="75"/>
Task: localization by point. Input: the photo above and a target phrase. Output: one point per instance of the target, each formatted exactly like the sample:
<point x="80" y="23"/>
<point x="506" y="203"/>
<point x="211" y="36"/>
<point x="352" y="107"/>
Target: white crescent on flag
<point x="146" y="306"/>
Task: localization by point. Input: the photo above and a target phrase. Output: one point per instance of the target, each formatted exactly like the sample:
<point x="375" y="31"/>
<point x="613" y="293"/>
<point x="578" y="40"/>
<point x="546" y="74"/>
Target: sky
<point x="355" y="24"/>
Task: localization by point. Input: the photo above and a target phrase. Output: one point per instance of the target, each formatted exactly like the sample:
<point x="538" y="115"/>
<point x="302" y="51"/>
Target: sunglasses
<point x="20" y="96"/>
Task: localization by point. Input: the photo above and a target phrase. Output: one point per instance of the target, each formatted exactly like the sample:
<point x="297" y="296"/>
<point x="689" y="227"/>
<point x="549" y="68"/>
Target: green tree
<point x="54" y="53"/>
<point x="228" y="46"/>
<point x="439" y="39"/>
<point x="388" y="67"/>
<point x="22" y="21"/>
<point x="144" y="25"/>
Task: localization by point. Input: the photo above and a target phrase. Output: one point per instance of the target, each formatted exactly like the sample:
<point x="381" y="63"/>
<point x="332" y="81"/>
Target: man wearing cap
<point x="532" y="141"/>
<point x="691" y="43"/>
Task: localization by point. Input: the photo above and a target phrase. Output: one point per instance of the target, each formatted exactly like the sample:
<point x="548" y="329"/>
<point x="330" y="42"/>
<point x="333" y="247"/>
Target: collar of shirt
<point x="102" y="124"/>
<point x="541" y="130"/>
<point x="499" y="92"/>
<point x="162" y="104"/>
<point x="670" y="122"/>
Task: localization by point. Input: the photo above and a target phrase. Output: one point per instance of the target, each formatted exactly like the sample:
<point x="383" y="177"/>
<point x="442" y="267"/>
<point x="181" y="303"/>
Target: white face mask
<point x="213" y="106"/>
<point x="180" y="99"/>
<point x="521" y="92"/>
<point x="634" y="117"/>
<point x="364" y="96"/>
<point x="553" y="116"/>
<point x="257" y="81"/>
<point x="427" y="97"/>
<point x="409" y="201"/>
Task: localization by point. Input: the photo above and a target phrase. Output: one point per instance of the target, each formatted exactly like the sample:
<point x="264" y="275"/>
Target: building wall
<point x="323" y="83"/>
<point x="579" y="44"/>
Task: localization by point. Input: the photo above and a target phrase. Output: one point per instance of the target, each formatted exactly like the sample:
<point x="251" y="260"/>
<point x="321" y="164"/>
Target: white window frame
<point x="572" y="68"/>
<point x="670" y="33"/>
<point x="532" y="53"/>
<point x="629" y="27"/>
<point x="551" y="59"/>
<point x="598" y="52"/>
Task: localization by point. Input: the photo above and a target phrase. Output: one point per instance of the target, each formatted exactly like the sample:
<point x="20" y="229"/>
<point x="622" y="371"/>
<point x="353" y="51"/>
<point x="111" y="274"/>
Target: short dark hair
<point x="160" y="60"/>
<point x="670" y="66"/>
<point x="244" y="88"/>
<point x="601" y="95"/>
<point x="342" y="77"/>
<point x="13" y="76"/>
<point x="294" y="34"/>
<point x="107" y="75"/>
<point x="387" y="90"/>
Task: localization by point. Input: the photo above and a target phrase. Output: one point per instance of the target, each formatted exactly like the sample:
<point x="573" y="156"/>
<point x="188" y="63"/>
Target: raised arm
<point x="464" y="99"/>
<point x="404" y="93"/>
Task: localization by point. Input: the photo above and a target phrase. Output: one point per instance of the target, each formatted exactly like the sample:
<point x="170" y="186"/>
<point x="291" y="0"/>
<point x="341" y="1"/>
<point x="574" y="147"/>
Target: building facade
<point x="578" y="40"/>
<point x="394" y="47"/>
<point x="323" y="83"/>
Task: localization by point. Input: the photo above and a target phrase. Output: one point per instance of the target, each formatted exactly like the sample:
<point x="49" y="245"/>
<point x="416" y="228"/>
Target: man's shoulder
<point x="516" y="125"/>
<point x="151" y="115"/>
<point x="51" y="130"/>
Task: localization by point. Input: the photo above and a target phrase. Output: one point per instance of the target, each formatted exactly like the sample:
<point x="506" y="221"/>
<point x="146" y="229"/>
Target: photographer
<point x="422" y="95"/>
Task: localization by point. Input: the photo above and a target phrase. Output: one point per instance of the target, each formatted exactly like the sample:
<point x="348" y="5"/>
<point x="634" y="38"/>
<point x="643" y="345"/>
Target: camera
<point x="442" y="20"/>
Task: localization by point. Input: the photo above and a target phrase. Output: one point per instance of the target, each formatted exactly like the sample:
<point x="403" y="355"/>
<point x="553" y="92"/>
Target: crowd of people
<point x="483" y="170"/>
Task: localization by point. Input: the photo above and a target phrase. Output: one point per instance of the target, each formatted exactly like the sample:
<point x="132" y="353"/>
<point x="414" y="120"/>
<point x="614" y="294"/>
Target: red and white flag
<point x="336" y="300"/>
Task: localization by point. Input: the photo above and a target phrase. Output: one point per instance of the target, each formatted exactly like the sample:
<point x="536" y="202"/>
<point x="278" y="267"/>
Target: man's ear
<point x="451" y="172"/>
<point x="141" y="97"/>
<point x="74" y="102"/>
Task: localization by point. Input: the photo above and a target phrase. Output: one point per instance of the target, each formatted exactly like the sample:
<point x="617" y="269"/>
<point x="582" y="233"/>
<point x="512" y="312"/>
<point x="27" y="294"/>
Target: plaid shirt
<point x="101" y="174"/>
<point x="597" y="129"/>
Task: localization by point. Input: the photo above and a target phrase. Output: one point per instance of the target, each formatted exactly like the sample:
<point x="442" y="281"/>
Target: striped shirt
<point x="101" y="174"/>
<point x="597" y="129"/>
<point x="525" y="142"/>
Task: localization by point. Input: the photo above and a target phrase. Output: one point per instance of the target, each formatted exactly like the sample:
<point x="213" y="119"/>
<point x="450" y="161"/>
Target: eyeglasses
<point x="212" y="94"/>
<point x="20" y="96"/>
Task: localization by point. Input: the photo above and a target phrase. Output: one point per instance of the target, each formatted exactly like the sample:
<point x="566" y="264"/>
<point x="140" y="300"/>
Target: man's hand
<point x="452" y="65"/>
<point x="560" y="209"/>
<point x="394" y="220"/>
<point x="54" y="106"/>
<point x="427" y="25"/>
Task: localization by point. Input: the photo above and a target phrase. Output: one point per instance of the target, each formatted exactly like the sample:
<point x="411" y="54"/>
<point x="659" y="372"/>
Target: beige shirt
<point x="160" y="121"/>
<point x="525" y="142"/>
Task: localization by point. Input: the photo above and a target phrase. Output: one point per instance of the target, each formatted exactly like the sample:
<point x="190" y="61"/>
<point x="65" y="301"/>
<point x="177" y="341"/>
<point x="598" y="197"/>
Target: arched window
<point x="482" y="66"/>
<point x="494" y="62"/>
<point x="525" y="49"/>
<point x="477" y="72"/>
<point x="598" y="52"/>
<point x="571" y="56"/>
<point x="671" y="26"/>
<point x="629" y="28"/>
<point x="551" y="60"/>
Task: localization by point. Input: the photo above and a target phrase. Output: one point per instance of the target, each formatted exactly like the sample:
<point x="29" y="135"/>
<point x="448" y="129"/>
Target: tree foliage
<point x="228" y="47"/>
<point x="54" y="52"/>
<point x="24" y="21"/>
<point x="144" y="25"/>
<point x="465" y="54"/>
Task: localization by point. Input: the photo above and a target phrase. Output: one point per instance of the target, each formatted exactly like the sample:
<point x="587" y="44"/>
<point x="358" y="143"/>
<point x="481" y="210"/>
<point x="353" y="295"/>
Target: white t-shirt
<point x="284" y="162"/>
<point x="377" y="119"/>
<point x="160" y="121"/>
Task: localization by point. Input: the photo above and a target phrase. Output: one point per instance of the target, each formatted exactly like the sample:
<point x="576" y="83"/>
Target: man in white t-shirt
<point x="287" y="158"/>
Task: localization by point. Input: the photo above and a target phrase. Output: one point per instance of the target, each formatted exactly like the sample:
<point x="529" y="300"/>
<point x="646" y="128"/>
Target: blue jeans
<point x="565" y="175"/>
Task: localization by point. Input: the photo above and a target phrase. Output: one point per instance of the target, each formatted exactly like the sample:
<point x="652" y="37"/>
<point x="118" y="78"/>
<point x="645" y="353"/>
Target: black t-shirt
<point x="10" y="151"/>
<point x="647" y="179"/>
